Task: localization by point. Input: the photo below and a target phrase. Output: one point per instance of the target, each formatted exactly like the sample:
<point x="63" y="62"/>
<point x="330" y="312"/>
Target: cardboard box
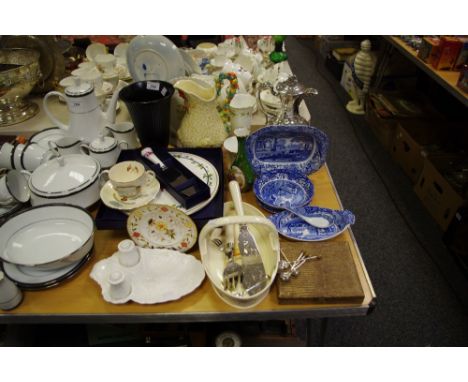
<point x="449" y="48"/>
<point x="435" y="192"/>
<point x="429" y="50"/>
<point x="347" y="79"/>
<point x="463" y="55"/>
<point x="415" y="139"/>
<point x="383" y="128"/>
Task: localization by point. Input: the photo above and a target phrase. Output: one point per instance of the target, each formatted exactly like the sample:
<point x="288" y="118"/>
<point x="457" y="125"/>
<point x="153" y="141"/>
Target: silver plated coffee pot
<point x="291" y="92"/>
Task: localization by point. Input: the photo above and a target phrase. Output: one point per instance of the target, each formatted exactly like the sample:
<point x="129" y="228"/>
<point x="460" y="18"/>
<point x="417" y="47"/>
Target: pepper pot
<point x="105" y="149"/>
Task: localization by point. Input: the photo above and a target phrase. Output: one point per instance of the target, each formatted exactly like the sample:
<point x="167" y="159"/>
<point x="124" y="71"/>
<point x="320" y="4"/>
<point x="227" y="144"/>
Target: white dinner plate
<point x="201" y="168"/>
<point x="154" y="58"/>
<point x="33" y="278"/>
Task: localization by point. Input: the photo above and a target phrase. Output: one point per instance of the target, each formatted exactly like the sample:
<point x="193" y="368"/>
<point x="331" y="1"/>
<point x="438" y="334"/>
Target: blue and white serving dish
<point x="287" y="147"/>
<point x="283" y="188"/>
<point x="293" y="227"/>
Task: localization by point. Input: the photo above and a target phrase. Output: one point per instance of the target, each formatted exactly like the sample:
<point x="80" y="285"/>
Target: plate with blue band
<point x="293" y="227"/>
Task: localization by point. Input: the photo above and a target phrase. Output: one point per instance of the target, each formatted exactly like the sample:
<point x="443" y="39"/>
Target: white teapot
<point x="87" y="121"/>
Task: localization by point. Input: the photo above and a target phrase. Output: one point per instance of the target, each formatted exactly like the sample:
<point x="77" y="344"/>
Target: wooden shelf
<point x="447" y="79"/>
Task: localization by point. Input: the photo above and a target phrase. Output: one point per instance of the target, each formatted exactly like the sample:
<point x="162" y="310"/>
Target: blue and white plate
<point x="287" y="147"/>
<point x="280" y="189"/>
<point x="293" y="227"/>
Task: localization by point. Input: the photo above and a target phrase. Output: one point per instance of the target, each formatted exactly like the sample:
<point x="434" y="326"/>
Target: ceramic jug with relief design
<point x="204" y="123"/>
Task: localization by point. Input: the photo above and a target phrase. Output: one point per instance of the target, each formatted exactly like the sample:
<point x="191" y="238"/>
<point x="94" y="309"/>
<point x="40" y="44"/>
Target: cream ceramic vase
<point x="201" y="125"/>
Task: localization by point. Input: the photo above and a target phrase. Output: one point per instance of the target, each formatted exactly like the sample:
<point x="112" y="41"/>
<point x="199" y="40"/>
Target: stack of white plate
<point x="45" y="245"/>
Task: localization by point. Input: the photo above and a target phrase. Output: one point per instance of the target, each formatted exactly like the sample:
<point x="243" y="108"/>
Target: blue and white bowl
<point x="283" y="189"/>
<point x="293" y="227"/>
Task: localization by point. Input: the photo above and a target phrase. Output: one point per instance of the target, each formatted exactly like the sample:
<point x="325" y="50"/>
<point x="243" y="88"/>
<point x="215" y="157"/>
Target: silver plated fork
<point x="232" y="273"/>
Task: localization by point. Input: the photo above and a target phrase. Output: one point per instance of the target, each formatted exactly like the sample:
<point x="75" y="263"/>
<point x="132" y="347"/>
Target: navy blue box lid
<point x="108" y="218"/>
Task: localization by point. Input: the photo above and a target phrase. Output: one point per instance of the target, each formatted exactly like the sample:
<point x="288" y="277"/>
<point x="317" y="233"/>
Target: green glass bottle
<point x="278" y="55"/>
<point x="241" y="170"/>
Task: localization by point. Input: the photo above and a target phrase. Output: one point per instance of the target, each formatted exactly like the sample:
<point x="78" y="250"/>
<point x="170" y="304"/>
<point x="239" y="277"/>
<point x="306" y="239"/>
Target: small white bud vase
<point x="129" y="256"/>
<point x="120" y="287"/>
<point x="10" y="295"/>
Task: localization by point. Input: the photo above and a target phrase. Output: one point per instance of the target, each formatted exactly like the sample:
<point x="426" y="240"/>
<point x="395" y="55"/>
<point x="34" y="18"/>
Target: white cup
<point x="14" y="188"/>
<point x="229" y="151"/>
<point x="87" y="65"/>
<point x="10" y="295"/>
<point x="128" y="177"/>
<point x="34" y="155"/>
<point x="128" y="254"/>
<point x="17" y="151"/>
<point x="105" y="62"/>
<point x="242" y="106"/>
<point x="5" y="155"/>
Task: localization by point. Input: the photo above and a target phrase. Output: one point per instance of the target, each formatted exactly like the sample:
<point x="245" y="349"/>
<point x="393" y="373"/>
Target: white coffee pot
<point x="87" y="120"/>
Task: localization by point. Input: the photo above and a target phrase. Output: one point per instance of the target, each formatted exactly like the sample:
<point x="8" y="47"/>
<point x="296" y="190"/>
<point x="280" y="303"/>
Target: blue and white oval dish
<point x="287" y="147"/>
<point x="293" y="227"/>
<point x="283" y="188"/>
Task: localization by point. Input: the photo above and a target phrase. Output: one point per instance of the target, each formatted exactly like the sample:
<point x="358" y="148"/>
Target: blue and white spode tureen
<point x="283" y="156"/>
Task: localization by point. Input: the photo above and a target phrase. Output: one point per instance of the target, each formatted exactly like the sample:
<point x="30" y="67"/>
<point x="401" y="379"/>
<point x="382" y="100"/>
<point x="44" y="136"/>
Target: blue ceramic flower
<point x="287" y="147"/>
<point x="293" y="227"/>
<point x="283" y="189"/>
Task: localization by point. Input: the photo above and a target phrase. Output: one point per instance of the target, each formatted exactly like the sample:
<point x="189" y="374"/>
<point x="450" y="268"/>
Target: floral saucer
<point x="162" y="226"/>
<point x="112" y="199"/>
<point x="293" y="227"/>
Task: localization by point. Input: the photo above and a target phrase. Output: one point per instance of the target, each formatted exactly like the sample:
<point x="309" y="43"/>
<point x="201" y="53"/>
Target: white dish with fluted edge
<point x="161" y="275"/>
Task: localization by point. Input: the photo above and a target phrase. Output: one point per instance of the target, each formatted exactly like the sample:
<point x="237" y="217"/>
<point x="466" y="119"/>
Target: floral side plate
<point x="283" y="188"/>
<point x="293" y="227"/>
<point x="161" y="275"/>
<point x="161" y="226"/>
<point x="112" y="199"/>
<point x="287" y="147"/>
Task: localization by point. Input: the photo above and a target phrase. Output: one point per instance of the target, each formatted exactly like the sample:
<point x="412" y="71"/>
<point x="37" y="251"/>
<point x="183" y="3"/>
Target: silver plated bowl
<point x="19" y="72"/>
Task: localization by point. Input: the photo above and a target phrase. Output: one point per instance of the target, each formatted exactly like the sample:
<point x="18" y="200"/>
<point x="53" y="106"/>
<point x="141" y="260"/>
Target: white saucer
<point x="111" y="198"/>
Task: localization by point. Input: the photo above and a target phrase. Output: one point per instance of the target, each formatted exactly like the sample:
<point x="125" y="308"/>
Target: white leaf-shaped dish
<point x="161" y="275"/>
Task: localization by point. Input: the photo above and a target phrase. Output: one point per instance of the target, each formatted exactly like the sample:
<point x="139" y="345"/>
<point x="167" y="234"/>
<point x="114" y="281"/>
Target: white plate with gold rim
<point x="112" y="199"/>
<point x="201" y="168"/>
<point x="161" y="226"/>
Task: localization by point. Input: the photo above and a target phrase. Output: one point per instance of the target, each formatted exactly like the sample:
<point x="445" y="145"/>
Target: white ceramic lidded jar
<point x="10" y="295"/>
<point x="105" y="150"/>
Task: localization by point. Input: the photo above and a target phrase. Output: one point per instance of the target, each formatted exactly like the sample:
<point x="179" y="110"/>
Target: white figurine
<point x="363" y="68"/>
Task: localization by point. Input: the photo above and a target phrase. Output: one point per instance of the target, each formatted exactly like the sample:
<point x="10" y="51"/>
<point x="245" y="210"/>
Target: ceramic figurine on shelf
<point x="362" y="68"/>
